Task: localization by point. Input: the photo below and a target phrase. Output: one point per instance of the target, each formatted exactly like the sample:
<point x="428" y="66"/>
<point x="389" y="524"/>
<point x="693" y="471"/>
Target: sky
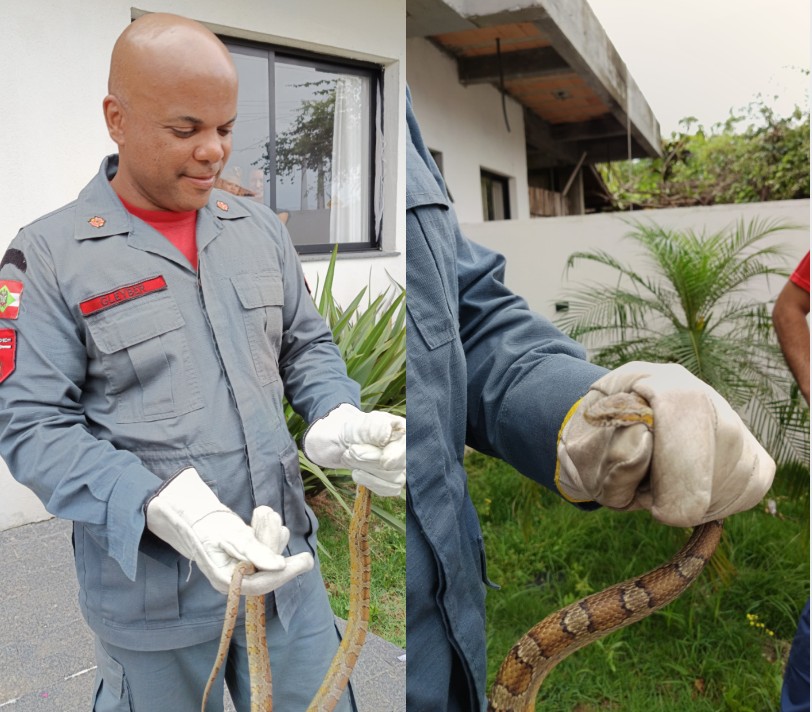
<point x="703" y="58"/>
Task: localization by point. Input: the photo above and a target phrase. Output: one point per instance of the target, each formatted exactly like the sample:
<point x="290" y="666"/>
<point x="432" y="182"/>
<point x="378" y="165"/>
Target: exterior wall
<point x="54" y="138"/>
<point x="537" y="249"/>
<point x="54" y="135"/>
<point x="467" y="126"/>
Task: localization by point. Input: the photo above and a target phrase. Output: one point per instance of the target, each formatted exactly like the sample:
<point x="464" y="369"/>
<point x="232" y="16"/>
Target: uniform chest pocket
<point x="146" y="359"/>
<point x="262" y="298"/>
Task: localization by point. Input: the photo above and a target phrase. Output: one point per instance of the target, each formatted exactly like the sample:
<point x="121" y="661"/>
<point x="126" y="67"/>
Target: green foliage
<point x="387" y="616"/>
<point x="707" y="651"/>
<point x="754" y="156"/>
<point x="371" y="335"/>
<point x="307" y="145"/>
<point x="693" y="305"/>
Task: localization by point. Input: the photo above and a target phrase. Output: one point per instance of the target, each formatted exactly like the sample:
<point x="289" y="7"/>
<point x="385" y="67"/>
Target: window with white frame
<point x="307" y="144"/>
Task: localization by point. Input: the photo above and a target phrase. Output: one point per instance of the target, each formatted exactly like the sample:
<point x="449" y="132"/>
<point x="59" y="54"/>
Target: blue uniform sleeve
<point x="310" y="363"/>
<point x="523" y="374"/>
<point x="44" y="437"/>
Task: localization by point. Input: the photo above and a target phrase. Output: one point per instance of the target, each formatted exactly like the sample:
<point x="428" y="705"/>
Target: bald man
<point x="148" y="332"/>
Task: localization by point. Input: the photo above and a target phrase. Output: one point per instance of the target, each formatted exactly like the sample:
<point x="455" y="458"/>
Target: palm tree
<point x="694" y="306"/>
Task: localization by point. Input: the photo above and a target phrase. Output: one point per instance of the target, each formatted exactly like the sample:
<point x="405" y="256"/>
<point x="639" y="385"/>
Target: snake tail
<point x="335" y="681"/>
<point x="232" y="609"/>
<point x="561" y="633"/>
<point x="259" y="662"/>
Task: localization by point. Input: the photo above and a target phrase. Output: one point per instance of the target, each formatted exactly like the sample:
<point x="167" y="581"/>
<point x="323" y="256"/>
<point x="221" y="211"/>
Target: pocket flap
<point x="422" y="187"/>
<point x="260" y="289"/>
<point x="130" y="324"/>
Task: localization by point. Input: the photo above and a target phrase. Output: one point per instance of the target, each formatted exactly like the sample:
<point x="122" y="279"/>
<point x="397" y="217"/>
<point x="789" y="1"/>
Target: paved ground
<point x="46" y="650"/>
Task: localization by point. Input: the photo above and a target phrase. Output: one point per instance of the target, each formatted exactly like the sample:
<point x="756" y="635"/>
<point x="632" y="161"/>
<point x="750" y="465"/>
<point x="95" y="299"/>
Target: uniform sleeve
<point x="44" y="435"/>
<point x="523" y="373"/>
<point x="310" y="364"/>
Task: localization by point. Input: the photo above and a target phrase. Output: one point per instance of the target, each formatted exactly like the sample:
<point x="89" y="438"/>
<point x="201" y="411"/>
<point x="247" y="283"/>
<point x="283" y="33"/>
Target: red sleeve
<point x="801" y="274"/>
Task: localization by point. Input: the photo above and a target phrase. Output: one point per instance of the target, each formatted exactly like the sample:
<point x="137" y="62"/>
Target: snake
<point x="563" y="632"/>
<point x="345" y="658"/>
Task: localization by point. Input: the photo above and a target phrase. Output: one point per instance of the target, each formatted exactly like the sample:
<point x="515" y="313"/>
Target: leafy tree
<point x="694" y="306"/>
<point x="754" y="156"/>
<point x="308" y="143"/>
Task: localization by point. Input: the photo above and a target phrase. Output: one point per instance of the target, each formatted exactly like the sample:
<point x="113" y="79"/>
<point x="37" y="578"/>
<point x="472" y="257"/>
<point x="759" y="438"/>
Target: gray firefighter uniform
<point x="126" y="366"/>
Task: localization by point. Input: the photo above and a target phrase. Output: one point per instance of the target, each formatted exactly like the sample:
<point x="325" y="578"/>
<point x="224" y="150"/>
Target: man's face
<point x="174" y="137"/>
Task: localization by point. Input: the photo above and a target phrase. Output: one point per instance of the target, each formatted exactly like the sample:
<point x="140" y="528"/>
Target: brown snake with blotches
<point x="335" y="681"/>
<point x="561" y="633"/>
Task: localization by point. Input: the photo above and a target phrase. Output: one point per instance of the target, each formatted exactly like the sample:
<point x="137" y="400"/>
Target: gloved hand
<point x="372" y="445"/>
<point x="270" y="531"/>
<point x="697" y="463"/>
<point x="187" y="515"/>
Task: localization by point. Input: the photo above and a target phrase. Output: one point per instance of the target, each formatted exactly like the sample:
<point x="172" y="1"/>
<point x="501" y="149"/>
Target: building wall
<point x="54" y="135"/>
<point x="466" y="124"/>
<point x="537" y="249"/>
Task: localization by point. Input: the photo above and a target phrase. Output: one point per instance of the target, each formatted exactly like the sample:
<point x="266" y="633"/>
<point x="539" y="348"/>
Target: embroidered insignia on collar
<point x="97" y="221"/>
<point x="222" y="205"/>
<point x="10" y="294"/>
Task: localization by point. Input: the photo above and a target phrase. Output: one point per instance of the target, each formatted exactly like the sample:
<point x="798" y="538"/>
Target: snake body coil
<point x="561" y="633"/>
<point x="335" y="681"/>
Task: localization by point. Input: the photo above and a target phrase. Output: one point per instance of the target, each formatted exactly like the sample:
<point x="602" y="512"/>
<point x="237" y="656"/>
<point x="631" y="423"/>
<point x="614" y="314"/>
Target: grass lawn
<point x="387" y="617"/>
<point x="721" y="646"/>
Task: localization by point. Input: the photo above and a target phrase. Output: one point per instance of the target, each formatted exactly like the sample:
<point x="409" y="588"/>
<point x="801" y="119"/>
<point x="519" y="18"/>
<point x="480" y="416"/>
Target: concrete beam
<point x="522" y="64"/>
<point x="578" y="37"/>
<point x="585" y="130"/>
<point x="433" y="17"/>
<point x="597" y="151"/>
<point x="542" y="147"/>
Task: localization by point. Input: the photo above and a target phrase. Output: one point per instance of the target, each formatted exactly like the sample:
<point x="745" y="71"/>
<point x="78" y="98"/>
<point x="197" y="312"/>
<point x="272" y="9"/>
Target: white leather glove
<point x="372" y="445"/>
<point x="187" y="515"/>
<point x="697" y="463"/>
<point x="270" y="531"/>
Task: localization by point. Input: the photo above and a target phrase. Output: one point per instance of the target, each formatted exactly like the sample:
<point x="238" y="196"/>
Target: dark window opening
<point x="495" y="196"/>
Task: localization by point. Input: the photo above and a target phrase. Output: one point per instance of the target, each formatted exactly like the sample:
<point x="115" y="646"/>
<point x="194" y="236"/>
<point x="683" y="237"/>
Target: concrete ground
<point x="46" y="650"/>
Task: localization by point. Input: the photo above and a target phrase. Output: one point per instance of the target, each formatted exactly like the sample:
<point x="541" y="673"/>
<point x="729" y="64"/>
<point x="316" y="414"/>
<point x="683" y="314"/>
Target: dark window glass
<point x="495" y="196"/>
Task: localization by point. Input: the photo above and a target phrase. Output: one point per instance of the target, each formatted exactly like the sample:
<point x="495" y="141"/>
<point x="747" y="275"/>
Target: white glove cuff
<point x="322" y="442"/>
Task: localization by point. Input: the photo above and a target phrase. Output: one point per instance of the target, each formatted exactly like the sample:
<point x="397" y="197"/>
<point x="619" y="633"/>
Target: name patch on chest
<point x="122" y="294"/>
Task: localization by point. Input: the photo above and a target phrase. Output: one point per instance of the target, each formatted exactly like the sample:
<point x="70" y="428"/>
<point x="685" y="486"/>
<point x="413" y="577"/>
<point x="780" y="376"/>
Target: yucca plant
<point x="371" y="335"/>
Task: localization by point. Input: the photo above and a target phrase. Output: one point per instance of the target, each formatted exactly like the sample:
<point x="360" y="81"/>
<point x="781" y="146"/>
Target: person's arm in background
<point x="791" y="327"/>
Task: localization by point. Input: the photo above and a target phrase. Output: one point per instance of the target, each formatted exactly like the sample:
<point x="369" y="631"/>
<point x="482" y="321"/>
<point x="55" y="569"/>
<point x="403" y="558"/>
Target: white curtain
<point x="349" y="195"/>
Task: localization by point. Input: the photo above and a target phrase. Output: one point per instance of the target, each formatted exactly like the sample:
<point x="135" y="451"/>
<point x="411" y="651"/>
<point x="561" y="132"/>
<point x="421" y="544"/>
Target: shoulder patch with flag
<point x="10" y="294"/>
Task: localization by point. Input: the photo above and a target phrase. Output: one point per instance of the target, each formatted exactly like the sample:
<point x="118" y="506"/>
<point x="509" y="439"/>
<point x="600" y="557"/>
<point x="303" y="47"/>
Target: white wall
<point x="54" y="137"/>
<point x="537" y="249"/>
<point x="467" y="126"/>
